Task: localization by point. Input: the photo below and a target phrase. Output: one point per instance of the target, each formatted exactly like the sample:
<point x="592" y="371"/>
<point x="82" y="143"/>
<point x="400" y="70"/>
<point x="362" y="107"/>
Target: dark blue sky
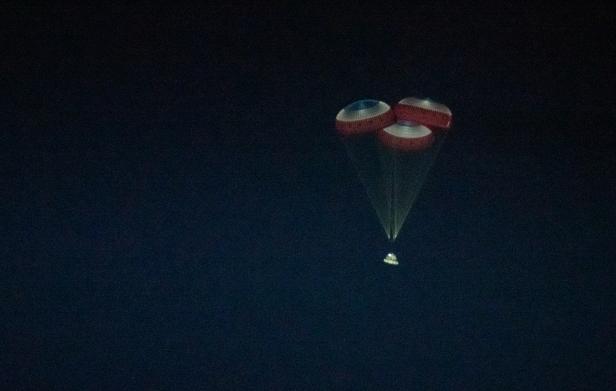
<point x="178" y="213"/>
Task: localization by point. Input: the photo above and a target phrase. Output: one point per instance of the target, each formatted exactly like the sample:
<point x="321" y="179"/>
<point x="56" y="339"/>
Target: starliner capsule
<point x="391" y="259"/>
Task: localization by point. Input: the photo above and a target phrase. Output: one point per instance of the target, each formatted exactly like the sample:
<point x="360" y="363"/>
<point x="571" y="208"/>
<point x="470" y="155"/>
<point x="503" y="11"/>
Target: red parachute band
<point x="424" y="111"/>
<point x="407" y="136"/>
<point x="364" y="116"/>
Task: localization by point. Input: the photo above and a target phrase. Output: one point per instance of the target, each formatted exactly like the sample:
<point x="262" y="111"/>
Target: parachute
<point x="392" y="151"/>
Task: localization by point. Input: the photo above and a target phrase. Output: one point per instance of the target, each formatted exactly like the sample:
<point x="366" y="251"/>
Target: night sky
<point x="177" y="211"/>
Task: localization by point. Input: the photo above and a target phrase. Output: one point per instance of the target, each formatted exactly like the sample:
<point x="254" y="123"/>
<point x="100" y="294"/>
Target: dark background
<point x="178" y="213"/>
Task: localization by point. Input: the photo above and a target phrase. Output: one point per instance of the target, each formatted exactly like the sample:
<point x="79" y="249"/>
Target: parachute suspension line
<point x="425" y="164"/>
<point x="358" y="151"/>
<point x="392" y="199"/>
